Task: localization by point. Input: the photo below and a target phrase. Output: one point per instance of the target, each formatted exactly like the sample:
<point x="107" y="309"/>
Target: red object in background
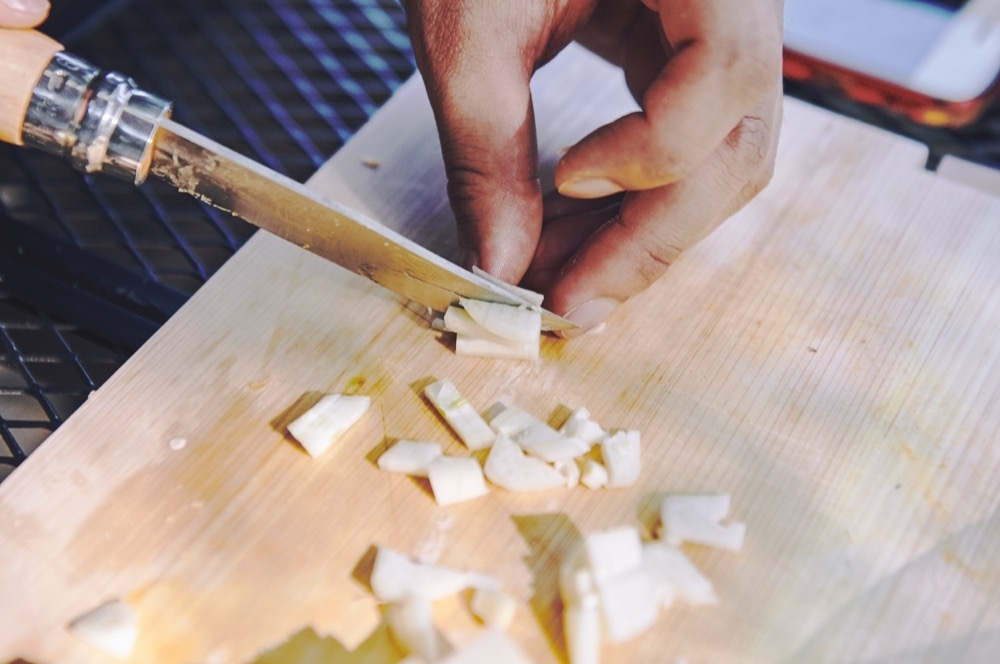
<point x="874" y="92"/>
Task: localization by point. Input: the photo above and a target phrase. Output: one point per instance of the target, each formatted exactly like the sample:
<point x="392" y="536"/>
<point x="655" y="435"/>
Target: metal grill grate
<point x="47" y="370"/>
<point x="90" y="267"/>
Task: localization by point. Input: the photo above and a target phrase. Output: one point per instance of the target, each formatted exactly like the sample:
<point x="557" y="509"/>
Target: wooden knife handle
<point x="24" y="55"/>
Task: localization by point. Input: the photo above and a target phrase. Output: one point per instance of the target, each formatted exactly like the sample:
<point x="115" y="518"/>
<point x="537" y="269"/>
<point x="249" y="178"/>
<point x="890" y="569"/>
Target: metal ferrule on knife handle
<point x="100" y="121"/>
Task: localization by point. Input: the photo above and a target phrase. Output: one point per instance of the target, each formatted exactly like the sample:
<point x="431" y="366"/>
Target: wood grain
<point x="830" y="357"/>
<point x="24" y="54"/>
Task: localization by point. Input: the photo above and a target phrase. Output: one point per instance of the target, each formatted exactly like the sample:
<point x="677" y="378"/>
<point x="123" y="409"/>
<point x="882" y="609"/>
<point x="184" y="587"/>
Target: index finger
<point x="722" y="59"/>
<point x="477" y="67"/>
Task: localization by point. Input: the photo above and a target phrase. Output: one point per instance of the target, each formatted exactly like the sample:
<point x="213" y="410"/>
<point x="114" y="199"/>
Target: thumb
<point x="22" y="13"/>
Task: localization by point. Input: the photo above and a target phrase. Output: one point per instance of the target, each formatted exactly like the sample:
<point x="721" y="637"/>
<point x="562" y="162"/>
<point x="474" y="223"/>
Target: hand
<point x="22" y="13"/>
<point x="633" y="194"/>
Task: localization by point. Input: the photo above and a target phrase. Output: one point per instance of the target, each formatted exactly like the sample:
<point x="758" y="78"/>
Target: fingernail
<point x="32" y="6"/>
<point x="589" y="315"/>
<point x="468" y="258"/>
<point x="589" y="188"/>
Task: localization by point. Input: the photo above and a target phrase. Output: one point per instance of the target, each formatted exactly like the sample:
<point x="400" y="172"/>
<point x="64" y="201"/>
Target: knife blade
<point x="196" y="165"/>
<point x="102" y="121"/>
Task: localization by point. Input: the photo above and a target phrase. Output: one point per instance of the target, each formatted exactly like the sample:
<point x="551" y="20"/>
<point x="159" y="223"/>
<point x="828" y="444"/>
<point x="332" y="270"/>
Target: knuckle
<point x="655" y="261"/>
<point x="650" y="256"/>
<point x="747" y="154"/>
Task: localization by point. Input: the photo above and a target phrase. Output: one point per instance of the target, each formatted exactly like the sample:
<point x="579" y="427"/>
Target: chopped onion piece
<point x="472" y="339"/>
<point x="582" y="630"/>
<point x="594" y="475"/>
<point x="508" y="467"/>
<point x="629" y="604"/>
<point x="496" y="609"/>
<point x="576" y="581"/>
<point x="709" y="506"/>
<point x="495" y="409"/>
<point x="396" y="577"/>
<point x="612" y="552"/>
<point x="492" y="647"/>
<point x="409" y="457"/>
<point x="456" y="479"/>
<point x="512" y="420"/>
<point x="580" y="426"/>
<point x="581" y="608"/>
<point x="411" y="627"/>
<point x="460" y="415"/>
<point x="458" y="320"/>
<point x="112" y="628"/>
<point x="560" y="449"/>
<point x="570" y="470"/>
<point x="514" y="323"/>
<point x="668" y="566"/>
<point x="469" y="346"/>
<point x="621" y="454"/>
<point x="535" y="436"/>
<point x="318" y="428"/>
<point x="695" y="519"/>
<point x="530" y="296"/>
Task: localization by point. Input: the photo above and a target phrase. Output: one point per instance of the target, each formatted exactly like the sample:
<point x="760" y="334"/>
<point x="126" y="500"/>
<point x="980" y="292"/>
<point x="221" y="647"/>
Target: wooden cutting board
<point x="830" y="357"/>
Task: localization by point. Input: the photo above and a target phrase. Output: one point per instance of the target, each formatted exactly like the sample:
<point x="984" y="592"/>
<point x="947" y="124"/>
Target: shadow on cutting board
<point x="549" y="538"/>
<point x="308" y="647"/>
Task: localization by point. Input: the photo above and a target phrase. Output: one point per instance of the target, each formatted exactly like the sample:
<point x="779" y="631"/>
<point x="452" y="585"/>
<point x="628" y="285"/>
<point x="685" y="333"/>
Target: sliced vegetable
<point x="492" y="647"/>
<point x="112" y="628"/>
<point x="593" y="475"/>
<point x="629" y="604"/>
<point x="514" y="323"/>
<point x="570" y="470"/>
<point x="607" y="592"/>
<point x="456" y="479"/>
<point x="580" y="426"/>
<point x="696" y="519"/>
<point x="460" y="415"/>
<point x="536" y="437"/>
<point x="472" y="339"/>
<point x="621" y="453"/>
<point x="409" y="457"/>
<point x="318" y="428"/>
<point x="458" y="320"/>
<point x="469" y="346"/>
<point x="494" y="608"/>
<point x="668" y="565"/>
<point x="576" y="581"/>
<point x="582" y="629"/>
<point x="511" y="420"/>
<point x="411" y="627"/>
<point x="658" y="573"/>
<point x="611" y="552"/>
<point x="396" y="577"/>
<point x="553" y="449"/>
<point x="508" y="467"/>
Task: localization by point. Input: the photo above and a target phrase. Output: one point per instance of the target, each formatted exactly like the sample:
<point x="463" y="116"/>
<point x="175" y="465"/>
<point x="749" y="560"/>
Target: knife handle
<point x="54" y="101"/>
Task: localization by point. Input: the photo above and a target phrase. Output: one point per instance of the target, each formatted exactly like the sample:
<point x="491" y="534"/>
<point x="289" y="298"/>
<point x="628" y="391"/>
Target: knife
<point x="103" y="122"/>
